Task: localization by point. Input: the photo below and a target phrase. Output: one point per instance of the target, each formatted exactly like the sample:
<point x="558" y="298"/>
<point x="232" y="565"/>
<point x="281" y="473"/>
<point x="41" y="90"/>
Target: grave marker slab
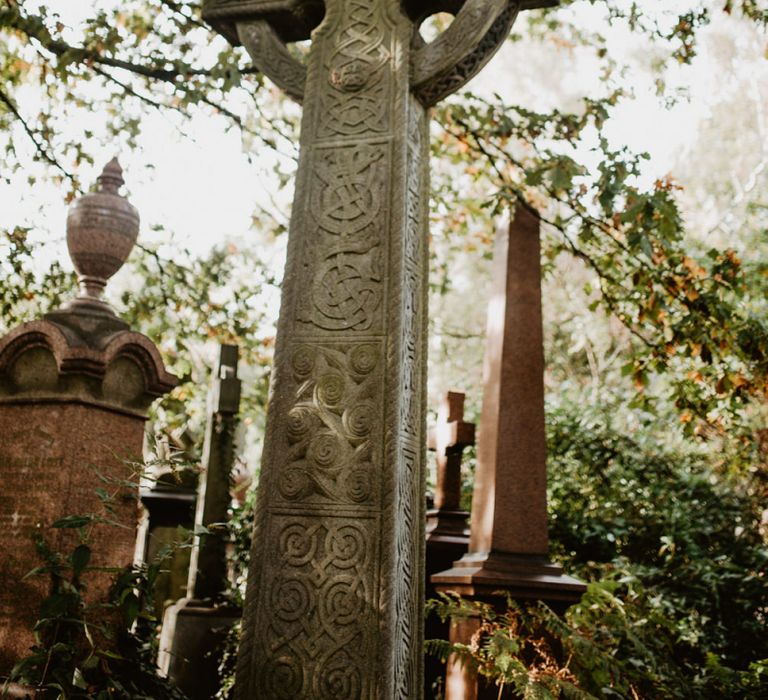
<point x="194" y="627"/>
<point x="447" y="439"/>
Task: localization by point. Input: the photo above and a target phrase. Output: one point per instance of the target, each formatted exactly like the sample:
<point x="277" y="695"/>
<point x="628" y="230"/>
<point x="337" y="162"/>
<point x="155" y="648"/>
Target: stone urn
<point x="102" y="227"/>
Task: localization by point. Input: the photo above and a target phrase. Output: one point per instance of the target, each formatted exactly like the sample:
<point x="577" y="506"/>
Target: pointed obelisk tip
<point x="111" y="178"/>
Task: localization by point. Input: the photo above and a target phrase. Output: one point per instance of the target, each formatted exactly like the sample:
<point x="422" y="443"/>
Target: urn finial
<point x="102" y="227"/>
<point x="111" y="178"/>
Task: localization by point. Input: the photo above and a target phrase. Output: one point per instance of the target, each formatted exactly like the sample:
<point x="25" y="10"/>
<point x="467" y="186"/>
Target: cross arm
<point x="264" y="27"/>
<point x="293" y="20"/>
<point x="458" y="54"/>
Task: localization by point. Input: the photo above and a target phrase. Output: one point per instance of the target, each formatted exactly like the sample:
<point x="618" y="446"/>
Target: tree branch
<point x="39" y="146"/>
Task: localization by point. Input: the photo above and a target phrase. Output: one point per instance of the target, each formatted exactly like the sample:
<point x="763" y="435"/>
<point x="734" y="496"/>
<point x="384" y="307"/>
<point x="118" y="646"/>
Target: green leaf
<point x="73" y="521"/>
<point x="78" y="680"/>
<point x="80" y="558"/>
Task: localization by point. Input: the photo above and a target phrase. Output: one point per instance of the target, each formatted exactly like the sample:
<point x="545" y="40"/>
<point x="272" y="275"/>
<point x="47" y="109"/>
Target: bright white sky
<point x="204" y="189"/>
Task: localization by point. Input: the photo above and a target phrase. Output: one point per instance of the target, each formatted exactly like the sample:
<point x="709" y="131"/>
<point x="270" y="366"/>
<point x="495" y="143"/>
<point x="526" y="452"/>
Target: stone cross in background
<point x="334" y="607"/>
<point x="195" y="626"/>
<point x="74" y="391"/>
<point x="208" y="565"/>
<point x="509" y="543"/>
<point x="448" y="439"/>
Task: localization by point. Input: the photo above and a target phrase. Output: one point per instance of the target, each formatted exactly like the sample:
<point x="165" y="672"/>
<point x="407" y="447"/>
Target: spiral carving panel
<point x="332" y="438"/>
<point x="318" y="608"/>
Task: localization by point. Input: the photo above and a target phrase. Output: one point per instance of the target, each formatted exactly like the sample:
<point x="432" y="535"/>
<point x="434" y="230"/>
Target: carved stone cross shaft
<point x="334" y="601"/>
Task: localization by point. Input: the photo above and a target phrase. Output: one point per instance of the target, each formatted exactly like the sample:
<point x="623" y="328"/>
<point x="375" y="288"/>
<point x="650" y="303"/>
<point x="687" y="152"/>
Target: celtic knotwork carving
<point x="346" y="293"/>
<point x="346" y="546"/>
<point x="363" y="358"/>
<point x="335" y="592"/>
<point x="358" y="81"/>
<point x="291" y="600"/>
<point x="343" y="600"/>
<point x="339" y="679"/>
<point x="408" y="535"/>
<point x="359" y="483"/>
<point x="349" y="198"/>
<point x="297" y="544"/>
<point x="408" y="555"/>
<point x="344" y="261"/>
<point x="332" y="432"/>
<point x="272" y="58"/>
<point x="319" y="609"/>
<point x="458" y="41"/>
<point x="456" y="56"/>
<point x="413" y="283"/>
<point x="285" y="678"/>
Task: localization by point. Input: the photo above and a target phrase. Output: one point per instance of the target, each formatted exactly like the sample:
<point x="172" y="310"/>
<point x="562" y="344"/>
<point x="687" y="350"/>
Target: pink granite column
<point x="74" y="391"/>
<point x="509" y="544"/>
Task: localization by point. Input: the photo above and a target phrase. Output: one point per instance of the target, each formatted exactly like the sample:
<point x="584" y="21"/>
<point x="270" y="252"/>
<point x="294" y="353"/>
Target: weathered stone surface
<point x="72" y="420"/>
<point x="102" y="228"/>
<point x="448" y="439"/>
<point x="167" y="516"/>
<point x="74" y="389"/>
<point x="208" y="566"/>
<point x="191" y="642"/>
<point x="334" y="603"/>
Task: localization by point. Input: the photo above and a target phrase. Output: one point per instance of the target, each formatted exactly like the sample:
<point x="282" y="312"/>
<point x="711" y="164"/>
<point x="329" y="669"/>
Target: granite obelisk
<point x="509" y="542"/>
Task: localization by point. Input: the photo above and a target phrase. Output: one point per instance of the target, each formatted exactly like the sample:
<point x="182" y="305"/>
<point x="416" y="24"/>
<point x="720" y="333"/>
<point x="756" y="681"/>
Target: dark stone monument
<point x="168" y="494"/>
<point x="74" y="390"/>
<point x="195" y="626"/>
<point x="334" y="607"/>
<point x="509" y="542"/>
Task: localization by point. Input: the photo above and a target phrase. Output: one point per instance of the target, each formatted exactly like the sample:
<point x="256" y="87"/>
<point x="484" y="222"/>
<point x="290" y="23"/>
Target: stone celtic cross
<point x="334" y="603"/>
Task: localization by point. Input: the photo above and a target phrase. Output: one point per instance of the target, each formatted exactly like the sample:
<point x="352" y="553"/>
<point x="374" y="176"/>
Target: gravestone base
<point x="489" y="578"/>
<point x="447" y="540"/>
<point x="523" y="576"/>
<point x="191" y="643"/>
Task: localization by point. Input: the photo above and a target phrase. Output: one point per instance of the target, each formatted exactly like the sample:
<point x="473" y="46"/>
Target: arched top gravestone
<point x="334" y="605"/>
